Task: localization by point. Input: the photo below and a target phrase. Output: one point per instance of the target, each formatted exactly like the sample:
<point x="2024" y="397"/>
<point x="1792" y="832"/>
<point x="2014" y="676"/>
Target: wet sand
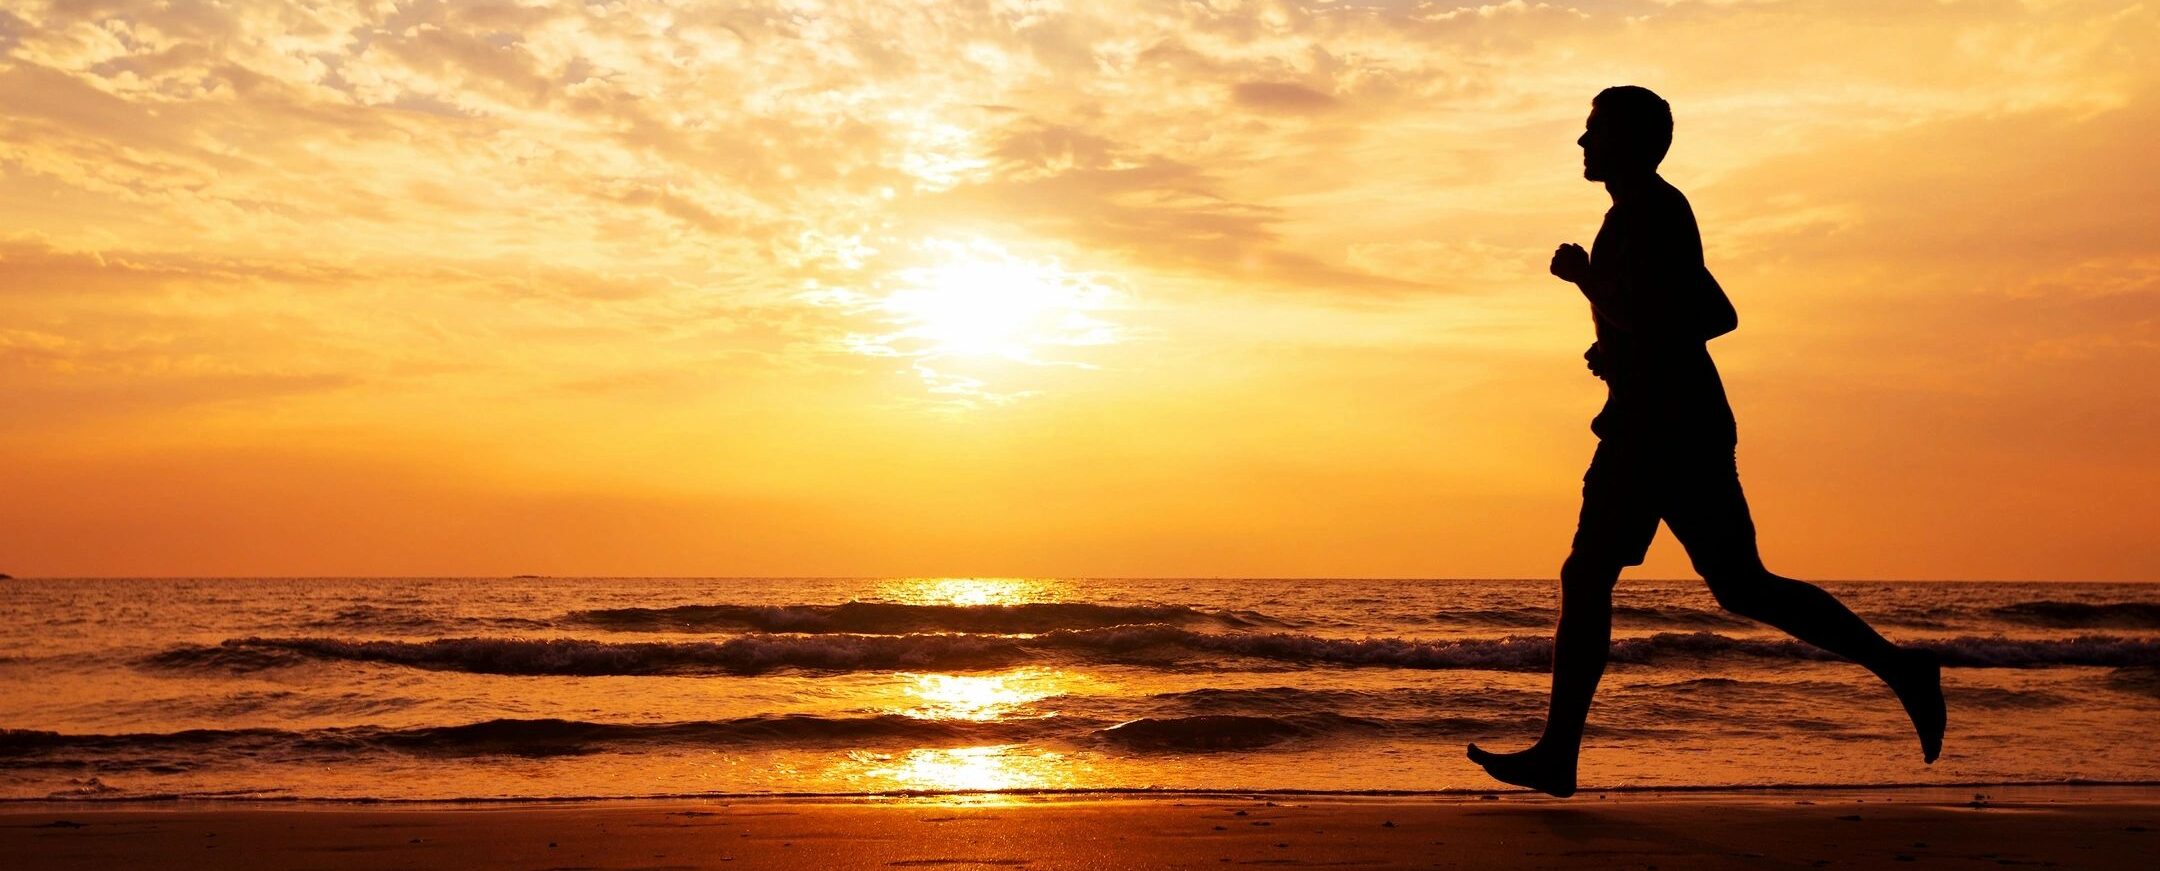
<point x="2068" y="828"/>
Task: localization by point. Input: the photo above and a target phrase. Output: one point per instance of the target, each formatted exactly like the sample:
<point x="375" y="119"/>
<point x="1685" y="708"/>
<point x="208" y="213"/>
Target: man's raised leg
<point x="1580" y="644"/>
<point x="1811" y="614"/>
<point x="1709" y="514"/>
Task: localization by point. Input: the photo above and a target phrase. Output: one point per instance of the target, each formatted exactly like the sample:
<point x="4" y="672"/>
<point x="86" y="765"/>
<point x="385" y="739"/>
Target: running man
<point x="1665" y="450"/>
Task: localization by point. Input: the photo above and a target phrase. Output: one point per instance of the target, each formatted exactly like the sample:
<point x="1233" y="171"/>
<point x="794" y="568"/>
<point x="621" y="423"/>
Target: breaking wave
<point x="1229" y="731"/>
<point x="539" y="737"/>
<point x="412" y="621"/>
<point x="1152" y="644"/>
<point x="2082" y="615"/>
<point x="1624" y="616"/>
<point x="883" y="618"/>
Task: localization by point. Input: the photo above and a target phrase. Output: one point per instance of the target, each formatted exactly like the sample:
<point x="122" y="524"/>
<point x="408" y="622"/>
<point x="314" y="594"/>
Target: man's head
<point x="1627" y="134"/>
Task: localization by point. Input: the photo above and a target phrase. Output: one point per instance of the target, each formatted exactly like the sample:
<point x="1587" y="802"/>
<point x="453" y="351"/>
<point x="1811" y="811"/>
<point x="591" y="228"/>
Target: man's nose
<point x="1583" y="140"/>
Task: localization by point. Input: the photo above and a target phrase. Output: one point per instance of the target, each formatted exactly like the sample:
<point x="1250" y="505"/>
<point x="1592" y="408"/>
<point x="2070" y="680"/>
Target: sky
<point x="1031" y="287"/>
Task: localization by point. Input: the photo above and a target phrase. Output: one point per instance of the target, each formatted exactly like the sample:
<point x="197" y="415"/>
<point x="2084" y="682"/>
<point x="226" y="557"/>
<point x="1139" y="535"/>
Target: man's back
<point x="1666" y="305"/>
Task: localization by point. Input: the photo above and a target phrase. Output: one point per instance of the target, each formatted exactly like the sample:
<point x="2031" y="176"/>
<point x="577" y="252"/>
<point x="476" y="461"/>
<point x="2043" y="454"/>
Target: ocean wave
<point x="377" y="617"/>
<point x="1395" y="703"/>
<point x="22" y="748"/>
<point x="1624" y="616"/>
<point x="2050" y="613"/>
<point x="201" y="749"/>
<point x="747" y="654"/>
<point x="540" y="738"/>
<point x="1141" y="645"/>
<point x="403" y="620"/>
<point x="884" y="618"/>
<point x="2082" y="615"/>
<point x="1229" y="731"/>
<point x="2140" y="680"/>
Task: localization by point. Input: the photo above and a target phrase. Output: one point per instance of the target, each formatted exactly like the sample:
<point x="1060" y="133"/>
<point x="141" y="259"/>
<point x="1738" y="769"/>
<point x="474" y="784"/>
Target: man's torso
<point x="1663" y="388"/>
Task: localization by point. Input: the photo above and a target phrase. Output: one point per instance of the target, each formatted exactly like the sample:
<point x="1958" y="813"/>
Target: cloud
<point x="1287" y="97"/>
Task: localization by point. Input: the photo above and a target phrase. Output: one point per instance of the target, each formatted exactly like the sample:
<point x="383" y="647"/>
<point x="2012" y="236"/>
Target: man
<point x="1665" y="450"/>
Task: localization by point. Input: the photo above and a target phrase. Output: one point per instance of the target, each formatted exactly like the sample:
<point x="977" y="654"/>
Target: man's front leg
<point x="1580" y="645"/>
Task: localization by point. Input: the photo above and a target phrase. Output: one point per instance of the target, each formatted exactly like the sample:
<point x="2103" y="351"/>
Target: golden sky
<point x="1030" y="287"/>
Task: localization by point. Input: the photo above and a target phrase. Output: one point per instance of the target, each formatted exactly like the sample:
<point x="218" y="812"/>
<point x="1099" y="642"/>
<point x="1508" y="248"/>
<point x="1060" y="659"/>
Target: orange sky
<point x="1032" y="287"/>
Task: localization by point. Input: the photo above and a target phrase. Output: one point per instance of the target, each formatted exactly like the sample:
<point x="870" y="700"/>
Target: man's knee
<point x="1740" y="588"/>
<point x="1587" y="574"/>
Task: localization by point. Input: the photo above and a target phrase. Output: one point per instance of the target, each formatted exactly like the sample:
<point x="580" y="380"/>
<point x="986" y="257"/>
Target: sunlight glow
<point x="994" y="767"/>
<point x="938" y="154"/>
<point x="980" y="301"/>
<point x="972" y="303"/>
<point x="971" y="591"/>
<point x="981" y="698"/>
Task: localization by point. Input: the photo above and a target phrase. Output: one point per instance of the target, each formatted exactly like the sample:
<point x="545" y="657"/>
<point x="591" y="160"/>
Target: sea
<point x="573" y="688"/>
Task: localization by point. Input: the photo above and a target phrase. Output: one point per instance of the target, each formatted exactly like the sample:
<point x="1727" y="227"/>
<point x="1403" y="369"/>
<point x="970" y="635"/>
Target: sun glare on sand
<point x="969" y="306"/>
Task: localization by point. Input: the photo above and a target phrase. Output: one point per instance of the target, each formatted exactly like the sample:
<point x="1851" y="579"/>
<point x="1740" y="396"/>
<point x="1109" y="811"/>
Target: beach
<point x="2067" y="827"/>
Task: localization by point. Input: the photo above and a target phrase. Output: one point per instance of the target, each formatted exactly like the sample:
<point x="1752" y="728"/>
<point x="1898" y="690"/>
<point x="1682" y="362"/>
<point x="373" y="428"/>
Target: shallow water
<point x="470" y="688"/>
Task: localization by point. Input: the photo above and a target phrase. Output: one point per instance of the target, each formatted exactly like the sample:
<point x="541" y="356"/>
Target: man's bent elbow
<point x="1718" y="326"/>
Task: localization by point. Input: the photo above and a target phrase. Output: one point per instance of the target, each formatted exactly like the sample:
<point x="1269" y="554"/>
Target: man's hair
<point x="1642" y="119"/>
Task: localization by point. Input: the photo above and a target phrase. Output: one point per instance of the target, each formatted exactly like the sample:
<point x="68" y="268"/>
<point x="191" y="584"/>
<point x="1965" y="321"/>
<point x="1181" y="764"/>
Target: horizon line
<point x="584" y="577"/>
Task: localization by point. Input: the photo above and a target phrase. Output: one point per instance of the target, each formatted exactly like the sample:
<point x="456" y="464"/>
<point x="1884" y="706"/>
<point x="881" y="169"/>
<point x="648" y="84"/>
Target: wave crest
<point x="1154" y="644"/>
<point x="1227" y="731"/>
<point x="1656" y="616"/>
<point x="887" y="618"/>
<point x="22" y="748"/>
<point x="2078" y="615"/>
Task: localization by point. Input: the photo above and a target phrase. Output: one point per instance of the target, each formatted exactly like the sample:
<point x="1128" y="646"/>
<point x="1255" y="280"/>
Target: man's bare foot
<point x="1918" y="684"/>
<point x="1551" y="773"/>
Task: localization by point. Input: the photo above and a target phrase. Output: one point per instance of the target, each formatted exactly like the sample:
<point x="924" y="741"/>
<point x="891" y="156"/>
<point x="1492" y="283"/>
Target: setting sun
<point x="967" y="311"/>
<point x="980" y="301"/>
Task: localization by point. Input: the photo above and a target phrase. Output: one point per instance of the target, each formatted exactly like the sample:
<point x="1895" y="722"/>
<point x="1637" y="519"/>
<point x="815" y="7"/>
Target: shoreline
<point x="1136" y="793"/>
<point x="2093" y="827"/>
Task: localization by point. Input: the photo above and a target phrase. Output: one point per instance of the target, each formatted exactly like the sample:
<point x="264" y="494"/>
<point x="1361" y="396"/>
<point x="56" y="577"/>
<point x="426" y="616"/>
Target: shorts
<point x="1696" y="492"/>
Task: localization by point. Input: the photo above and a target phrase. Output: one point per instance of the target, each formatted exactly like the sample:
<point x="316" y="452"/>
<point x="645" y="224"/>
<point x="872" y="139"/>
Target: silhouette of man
<point x="1665" y="450"/>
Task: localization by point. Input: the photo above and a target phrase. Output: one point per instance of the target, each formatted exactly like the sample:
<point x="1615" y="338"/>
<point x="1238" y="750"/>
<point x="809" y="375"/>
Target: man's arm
<point x="1715" y="313"/>
<point x="1659" y="285"/>
<point x="1601" y="287"/>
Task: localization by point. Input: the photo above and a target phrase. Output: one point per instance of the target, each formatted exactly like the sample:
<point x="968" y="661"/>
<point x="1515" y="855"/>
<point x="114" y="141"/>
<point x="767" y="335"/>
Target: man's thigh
<point x="1706" y="510"/>
<point x="1619" y="509"/>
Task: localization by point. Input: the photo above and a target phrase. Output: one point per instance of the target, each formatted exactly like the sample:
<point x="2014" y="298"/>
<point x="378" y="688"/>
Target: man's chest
<point x="1613" y="244"/>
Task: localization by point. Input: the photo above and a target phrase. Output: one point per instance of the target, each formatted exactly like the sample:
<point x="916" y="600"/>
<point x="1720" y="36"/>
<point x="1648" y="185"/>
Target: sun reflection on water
<point x="972" y="591"/>
<point x="984" y="697"/>
<point x="987" y="768"/>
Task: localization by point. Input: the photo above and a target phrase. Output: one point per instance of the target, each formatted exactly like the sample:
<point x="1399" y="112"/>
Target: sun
<point x="978" y="300"/>
<point x="979" y="308"/>
<point x="958" y="310"/>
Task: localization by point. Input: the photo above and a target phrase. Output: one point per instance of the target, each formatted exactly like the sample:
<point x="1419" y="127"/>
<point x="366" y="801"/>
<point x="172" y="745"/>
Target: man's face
<point x="1597" y="151"/>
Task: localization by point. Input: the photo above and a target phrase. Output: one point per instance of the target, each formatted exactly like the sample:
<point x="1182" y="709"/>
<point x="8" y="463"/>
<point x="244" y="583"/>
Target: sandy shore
<point x="2069" y="828"/>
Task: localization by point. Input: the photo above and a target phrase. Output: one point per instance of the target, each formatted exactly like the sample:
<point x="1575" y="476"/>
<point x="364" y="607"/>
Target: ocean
<point x="561" y="688"/>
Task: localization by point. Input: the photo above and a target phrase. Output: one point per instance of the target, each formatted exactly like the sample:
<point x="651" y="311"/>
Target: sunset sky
<point x="1048" y="288"/>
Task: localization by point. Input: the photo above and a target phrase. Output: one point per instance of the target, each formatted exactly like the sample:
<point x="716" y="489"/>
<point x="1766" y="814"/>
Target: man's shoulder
<point x="1664" y="194"/>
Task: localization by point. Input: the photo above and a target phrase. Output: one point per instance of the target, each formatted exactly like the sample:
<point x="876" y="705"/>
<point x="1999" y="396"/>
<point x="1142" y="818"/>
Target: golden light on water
<point x="985" y="768"/>
<point x="983" y="697"/>
<point x="971" y="591"/>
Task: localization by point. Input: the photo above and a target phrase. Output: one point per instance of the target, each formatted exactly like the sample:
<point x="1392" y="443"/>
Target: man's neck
<point x="1623" y="187"/>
